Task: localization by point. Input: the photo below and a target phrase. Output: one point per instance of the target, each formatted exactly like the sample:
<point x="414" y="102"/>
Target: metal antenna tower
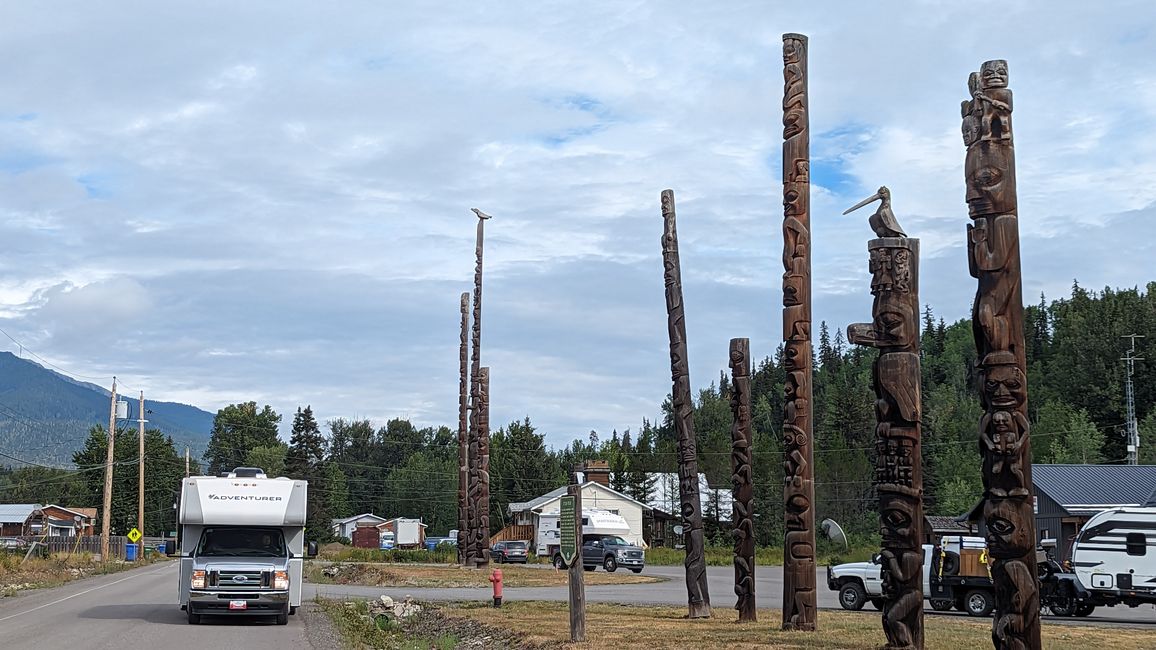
<point x="1130" y="416"/>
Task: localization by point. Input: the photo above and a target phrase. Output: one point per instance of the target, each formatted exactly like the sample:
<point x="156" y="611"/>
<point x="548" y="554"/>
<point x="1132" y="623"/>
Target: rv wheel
<point x="283" y="617"/>
<point x="194" y="619"/>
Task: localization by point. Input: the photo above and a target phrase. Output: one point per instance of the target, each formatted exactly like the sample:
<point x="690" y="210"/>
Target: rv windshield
<point x="241" y="542"/>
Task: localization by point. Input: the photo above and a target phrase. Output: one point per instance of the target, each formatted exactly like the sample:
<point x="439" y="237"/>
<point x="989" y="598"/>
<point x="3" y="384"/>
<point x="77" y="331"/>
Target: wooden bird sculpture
<point x="883" y="221"/>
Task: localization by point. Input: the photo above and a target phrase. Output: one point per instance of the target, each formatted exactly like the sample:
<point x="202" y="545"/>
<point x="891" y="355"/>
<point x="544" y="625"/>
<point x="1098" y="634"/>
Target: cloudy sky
<point x="224" y="201"/>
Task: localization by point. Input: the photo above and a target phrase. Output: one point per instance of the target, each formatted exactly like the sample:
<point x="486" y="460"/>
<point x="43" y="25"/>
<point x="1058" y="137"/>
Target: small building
<point x="1067" y="496"/>
<point x="345" y="527"/>
<point x="18" y="519"/>
<point x="525" y="515"/>
<point x="935" y="527"/>
<point x="68" y="522"/>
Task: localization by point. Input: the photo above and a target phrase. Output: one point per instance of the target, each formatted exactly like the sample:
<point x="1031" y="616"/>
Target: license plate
<point x="238" y="604"/>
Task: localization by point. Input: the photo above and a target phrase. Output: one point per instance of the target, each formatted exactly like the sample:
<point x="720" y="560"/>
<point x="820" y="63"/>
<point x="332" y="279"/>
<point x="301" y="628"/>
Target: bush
<point x="443" y="554"/>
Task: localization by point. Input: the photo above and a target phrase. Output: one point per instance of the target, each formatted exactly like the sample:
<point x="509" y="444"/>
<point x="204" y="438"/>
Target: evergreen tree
<point x="306" y="446"/>
<point x="238" y="429"/>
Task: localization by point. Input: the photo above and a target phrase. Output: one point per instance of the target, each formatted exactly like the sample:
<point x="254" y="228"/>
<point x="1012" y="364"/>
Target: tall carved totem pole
<point x="997" y="323"/>
<point x="698" y="598"/>
<point x="464" y="432"/>
<point x="742" y="478"/>
<point x="799" y="610"/>
<point x="894" y="331"/>
<point x="478" y="545"/>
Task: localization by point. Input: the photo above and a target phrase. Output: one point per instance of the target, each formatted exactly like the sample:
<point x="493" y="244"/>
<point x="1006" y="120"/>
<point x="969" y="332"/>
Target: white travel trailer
<point x="1114" y="557"/>
<point x="242" y="545"/>
<point x="594" y="522"/>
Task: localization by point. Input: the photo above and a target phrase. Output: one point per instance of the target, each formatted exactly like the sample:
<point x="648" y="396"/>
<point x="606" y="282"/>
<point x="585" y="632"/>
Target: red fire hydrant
<point x="496" y="578"/>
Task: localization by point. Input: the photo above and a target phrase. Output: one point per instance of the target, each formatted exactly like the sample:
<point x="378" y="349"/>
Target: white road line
<point x="81" y="593"/>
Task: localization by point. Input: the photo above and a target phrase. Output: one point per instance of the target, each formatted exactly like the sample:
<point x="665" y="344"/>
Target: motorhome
<point x="242" y="545"/>
<point x="1114" y="557"/>
<point x="596" y="524"/>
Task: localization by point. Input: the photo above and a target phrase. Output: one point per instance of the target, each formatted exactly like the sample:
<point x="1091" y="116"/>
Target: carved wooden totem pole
<point x="997" y="323"/>
<point x="799" y="610"/>
<point x="698" y="597"/>
<point x="478" y="546"/>
<point x="464" y="433"/>
<point x="482" y="425"/>
<point x="742" y="478"/>
<point x="894" y="330"/>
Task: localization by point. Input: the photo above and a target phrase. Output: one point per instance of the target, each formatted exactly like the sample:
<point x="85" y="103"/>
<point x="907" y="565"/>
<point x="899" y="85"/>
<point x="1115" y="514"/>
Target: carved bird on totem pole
<point x="883" y="221"/>
<point x="481" y="215"/>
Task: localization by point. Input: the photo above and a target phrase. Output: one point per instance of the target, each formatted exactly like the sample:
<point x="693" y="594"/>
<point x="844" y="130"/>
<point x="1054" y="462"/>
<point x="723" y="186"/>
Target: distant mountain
<point x="45" y="416"/>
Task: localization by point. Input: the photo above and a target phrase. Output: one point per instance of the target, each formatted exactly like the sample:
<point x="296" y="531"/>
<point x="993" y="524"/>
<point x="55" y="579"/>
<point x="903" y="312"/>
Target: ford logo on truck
<point x="243" y="497"/>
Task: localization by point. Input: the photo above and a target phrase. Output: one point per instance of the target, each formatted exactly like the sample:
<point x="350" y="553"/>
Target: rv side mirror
<point x="874" y="558"/>
<point x="311" y="549"/>
<point x="170" y="547"/>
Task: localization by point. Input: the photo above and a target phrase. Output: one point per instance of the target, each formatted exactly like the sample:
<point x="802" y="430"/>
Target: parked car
<point x="611" y="551"/>
<point x="13" y="544"/>
<point x="504" y="552"/>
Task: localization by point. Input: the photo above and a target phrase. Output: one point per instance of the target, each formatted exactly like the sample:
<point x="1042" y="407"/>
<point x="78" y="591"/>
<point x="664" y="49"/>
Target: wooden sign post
<point x="570" y="531"/>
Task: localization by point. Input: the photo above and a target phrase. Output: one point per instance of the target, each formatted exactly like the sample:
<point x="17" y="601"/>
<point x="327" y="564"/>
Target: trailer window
<point x="1136" y="544"/>
<point x="241" y="542"/>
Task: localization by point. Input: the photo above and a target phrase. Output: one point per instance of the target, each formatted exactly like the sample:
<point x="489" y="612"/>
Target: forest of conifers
<point x="1076" y="388"/>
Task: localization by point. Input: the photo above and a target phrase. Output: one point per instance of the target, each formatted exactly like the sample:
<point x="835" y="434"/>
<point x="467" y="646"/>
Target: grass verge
<point x="55" y="570"/>
<point x="428" y="630"/>
<point x="764" y="556"/>
<point x="385" y="575"/>
<point x="624" y="626"/>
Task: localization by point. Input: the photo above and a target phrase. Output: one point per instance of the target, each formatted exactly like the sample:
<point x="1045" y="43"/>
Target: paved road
<point x="768" y="590"/>
<point x="130" y="610"/>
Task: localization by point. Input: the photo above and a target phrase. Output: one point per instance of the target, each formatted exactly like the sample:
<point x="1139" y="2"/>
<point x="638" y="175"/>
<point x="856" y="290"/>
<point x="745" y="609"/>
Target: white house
<point x="344" y="527"/>
<point x="594" y="495"/>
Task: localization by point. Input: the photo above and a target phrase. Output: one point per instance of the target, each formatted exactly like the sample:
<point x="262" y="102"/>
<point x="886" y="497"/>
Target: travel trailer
<point x="242" y="545"/>
<point x="1114" y="557"/>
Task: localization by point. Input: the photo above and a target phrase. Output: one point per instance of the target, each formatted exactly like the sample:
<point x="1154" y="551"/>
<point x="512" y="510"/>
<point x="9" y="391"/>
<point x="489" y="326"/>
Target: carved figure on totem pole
<point x="698" y="597"/>
<point x="477" y="550"/>
<point x="997" y="326"/>
<point x="894" y="330"/>
<point x="482" y="408"/>
<point x="464" y="431"/>
<point x="742" y="479"/>
<point x="799" y="610"/>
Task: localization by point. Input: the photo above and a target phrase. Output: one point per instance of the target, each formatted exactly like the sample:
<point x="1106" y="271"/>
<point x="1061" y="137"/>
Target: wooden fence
<point x="81" y="544"/>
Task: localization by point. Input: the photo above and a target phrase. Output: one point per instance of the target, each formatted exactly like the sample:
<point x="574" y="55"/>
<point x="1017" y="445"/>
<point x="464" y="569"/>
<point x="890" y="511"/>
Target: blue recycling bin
<point x="130" y="552"/>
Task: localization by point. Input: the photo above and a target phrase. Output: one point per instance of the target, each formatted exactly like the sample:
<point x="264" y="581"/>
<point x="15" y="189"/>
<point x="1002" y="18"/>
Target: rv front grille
<point x="240" y="580"/>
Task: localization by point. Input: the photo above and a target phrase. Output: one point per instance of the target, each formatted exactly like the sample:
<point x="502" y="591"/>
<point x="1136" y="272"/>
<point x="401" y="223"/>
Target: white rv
<point x="242" y="545"/>
<point x="1114" y="557"/>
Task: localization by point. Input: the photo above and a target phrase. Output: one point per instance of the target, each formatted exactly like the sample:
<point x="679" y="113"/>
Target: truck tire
<point x="610" y="564"/>
<point x="637" y="570"/>
<point x="941" y="605"/>
<point x="1063" y="607"/>
<point x="877" y="603"/>
<point x="559" y="563"/>
<point x="852" y="596"/>
<point x="979" y="603"/>
<point x="1084" y="610"/>
<point x="194" y="619"/>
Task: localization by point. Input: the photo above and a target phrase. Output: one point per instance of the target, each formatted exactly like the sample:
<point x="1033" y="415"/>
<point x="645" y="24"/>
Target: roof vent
<point x="247" y="472"/>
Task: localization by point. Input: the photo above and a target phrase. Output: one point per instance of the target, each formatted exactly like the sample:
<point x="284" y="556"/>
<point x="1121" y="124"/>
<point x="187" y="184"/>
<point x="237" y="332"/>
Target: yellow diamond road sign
<point x="134" y="535"/>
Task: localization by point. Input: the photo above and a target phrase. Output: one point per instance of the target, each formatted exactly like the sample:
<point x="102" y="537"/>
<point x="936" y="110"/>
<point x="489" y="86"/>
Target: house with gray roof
<point x="16" y="518"/>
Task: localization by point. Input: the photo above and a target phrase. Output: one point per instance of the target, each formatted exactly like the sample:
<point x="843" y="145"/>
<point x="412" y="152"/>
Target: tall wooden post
<point x="799" y="611"/>
<point x="698" y="595"/>
<point x="106" y="513"/>
<point x="742" y="478"/>
<point x="577" y="581"/>
<point x="482" y="408"/>
<point x="463" y="432"/>
<point x="474" y="554"/>
<point x="140" y="467"/>
<point x="894" y="331"/>
<point x="997" y="323"/>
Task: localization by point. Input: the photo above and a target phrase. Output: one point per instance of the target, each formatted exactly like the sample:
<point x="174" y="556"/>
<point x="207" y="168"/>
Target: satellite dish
<point x="834" y="532"/>
<point x="678" y="530"/>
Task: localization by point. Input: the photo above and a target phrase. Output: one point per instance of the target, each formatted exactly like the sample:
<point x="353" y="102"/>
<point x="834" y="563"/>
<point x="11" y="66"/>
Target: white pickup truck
<point x="954" y="575"/>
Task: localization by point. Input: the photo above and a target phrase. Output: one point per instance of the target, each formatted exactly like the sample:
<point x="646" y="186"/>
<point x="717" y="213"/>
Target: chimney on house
<point x="597" y="471"/>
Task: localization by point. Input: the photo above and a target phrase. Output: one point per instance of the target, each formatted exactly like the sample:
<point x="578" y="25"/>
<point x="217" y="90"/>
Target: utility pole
<point x="1129" y="399"/>
<point x="140" y="468"/>
<point x="106" y="514"/>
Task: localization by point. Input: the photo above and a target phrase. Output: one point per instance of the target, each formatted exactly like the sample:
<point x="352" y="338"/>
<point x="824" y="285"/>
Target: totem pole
<point x="894" y="330"/>
<point x="993" y="258"/>
<point x="742" y="479"/>
<point x="463" y="432"/>
<point x="799" y="611"/>
<point x="698" y="597"/>
<point x="482" y="425"/>
<point x="477" y="547"/>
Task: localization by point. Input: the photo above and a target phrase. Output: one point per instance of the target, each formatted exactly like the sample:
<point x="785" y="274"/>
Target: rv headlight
<point x="198" y="581"/>
<point x="281" y="580"/>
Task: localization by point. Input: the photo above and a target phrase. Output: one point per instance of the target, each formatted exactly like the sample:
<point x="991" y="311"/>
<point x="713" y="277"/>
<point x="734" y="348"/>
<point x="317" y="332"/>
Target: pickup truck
<point x="611" y="551"/>
<point x="954" y="575"/>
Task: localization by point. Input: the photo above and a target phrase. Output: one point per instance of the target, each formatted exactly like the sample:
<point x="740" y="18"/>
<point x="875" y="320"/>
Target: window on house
<point x="1136" y="544"/>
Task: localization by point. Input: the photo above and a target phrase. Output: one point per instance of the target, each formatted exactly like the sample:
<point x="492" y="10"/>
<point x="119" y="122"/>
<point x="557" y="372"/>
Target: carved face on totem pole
<point x="990" y="175"/>
<point x="1004" y="432"/>
<point x="993" y="74"/>
<point x="896" y="518"/>
<point x="1009" y="534"/>
<point x="1004" y="388"/>
<point x="797" y="506"/>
